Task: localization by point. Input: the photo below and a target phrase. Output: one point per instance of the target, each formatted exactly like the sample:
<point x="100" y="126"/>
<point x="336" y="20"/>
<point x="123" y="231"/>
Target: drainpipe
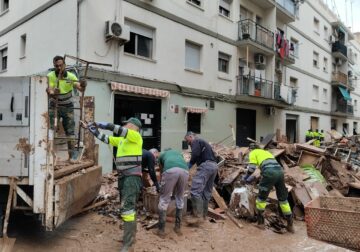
<point x="78" y="29"/>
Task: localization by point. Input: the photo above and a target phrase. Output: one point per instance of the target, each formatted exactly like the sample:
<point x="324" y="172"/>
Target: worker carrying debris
<point x="61" y="84"/>
<point x="128" y="164"/>
<point x="174" y="178"/>
<point x="148" y="165"/>
<point x="202" y="183"/>
<point x="272" y="175"/>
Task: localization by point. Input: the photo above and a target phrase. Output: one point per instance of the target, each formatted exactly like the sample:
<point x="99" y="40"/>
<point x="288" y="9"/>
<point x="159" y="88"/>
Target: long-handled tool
<point x="87" y="63"/>
<point x="6" y="243"/>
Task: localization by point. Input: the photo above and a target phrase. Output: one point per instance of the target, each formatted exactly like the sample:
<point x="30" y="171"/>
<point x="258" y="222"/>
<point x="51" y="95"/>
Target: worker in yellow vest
<point x="317" y="138"/>
<point x="308" y="135"/>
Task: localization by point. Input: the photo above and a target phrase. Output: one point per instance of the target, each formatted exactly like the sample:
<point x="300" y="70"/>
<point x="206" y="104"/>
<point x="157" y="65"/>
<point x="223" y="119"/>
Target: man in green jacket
<point x="174" y="178"/>
<point x="128" y="164"/>
<point x="272" y="175"/>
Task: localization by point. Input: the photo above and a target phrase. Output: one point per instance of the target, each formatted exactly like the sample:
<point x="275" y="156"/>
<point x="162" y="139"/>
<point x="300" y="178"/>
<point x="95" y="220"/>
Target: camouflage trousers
<point x="67" y="116"/>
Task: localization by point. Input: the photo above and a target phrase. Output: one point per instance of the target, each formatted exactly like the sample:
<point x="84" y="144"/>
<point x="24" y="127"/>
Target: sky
<point x="343" y="7"/>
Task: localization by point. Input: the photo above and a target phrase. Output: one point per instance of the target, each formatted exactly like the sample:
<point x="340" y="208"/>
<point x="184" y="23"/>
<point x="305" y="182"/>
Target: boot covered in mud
<point x="178" y="218"/>
<point x="197" y="215"/>
<point x="129" y="236"/>
<point x="290" y="223"/>
<point x="205" y="209"/>
<point x="260" y="220"/>
<point x="161" y="226"/>
<point x="73" y="156"/>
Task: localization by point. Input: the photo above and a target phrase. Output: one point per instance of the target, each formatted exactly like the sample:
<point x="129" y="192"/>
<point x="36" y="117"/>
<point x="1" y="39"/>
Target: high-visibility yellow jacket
<point x="65" y="85"/>
<point x="129" y="151"/>
<point x="258" y="156"/>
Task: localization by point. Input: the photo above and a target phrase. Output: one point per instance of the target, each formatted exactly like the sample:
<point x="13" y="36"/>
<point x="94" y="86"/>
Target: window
<point x="325" y="64"/>
<point x="325" y="95"/>
<point x="294" y="45"/>
<point x="315" y="93"/>
<point x="355" y="128"/>
<point x="3" y="57"/>
<point x="333" y="124"/>
<point x="355" y="105"/>
<point x="316" y="59"/>
<point x="194" y="122"/>
<point x="4" y="5"/>
<point x="22" y="46"/>
<point x="141" y="40"/>
<point x="245" y="13"/>
<point x="196" y="2"/>
<point x="192" y="56"/>
<point x="316" y="25"/>
<point x="326" y="33"/>
<point x="293" y="82"/>
<point x="224" y="60"/>
<point x="224" y="7"/>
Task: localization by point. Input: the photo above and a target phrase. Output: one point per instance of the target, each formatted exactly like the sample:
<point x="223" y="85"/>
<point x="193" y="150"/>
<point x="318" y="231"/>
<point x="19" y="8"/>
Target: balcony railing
<point x="248" y="29"/>
<point x="339" y="47"/>
<point x="339" y="77"/>
<point x="288" y="5"/>
<point x="251" y="85"/>
<point x="344" y="108"/>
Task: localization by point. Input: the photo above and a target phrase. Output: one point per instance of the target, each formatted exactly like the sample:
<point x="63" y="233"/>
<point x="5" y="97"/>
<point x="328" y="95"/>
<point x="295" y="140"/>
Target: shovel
<point x="6" y="243"/>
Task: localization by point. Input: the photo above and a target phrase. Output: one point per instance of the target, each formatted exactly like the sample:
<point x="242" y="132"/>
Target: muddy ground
<point x="93" y="232"/>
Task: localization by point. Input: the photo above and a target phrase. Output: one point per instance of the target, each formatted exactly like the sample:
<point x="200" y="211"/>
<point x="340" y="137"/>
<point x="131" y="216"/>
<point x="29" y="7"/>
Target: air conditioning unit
<point x="269" y="110"/>
<point x="260" y="61"/>
<point x="116" y="31"/>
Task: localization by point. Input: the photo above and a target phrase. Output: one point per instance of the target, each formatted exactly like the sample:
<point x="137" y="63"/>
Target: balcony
<point x="344" y="108"/>
<point x="339" y="50"/>
<point x="253" y="86"/>
<point x="285" y="10"/>
<point x="339" y="78"/>
<point x="255" y="36"/>
<point x="265" y="4"/>
<point x="286" y="59"/>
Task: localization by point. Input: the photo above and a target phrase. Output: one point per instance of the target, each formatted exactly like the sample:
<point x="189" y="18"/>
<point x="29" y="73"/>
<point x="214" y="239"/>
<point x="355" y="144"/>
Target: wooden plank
<point x="284" y="165"/>
<point x="103" y="202"/>
<point x="232" y="176"/>
<point x="89" y="140"/>
<point x="8" y="206"/>
<point x="307" y="158"/>
<point x="219" y="200"/>
<point x="213" y="214"/>
<point x="276" y="152"/>
<point x="72" y="168"/>
<point x="310" y="148"/>
<point x="233" y="219"/>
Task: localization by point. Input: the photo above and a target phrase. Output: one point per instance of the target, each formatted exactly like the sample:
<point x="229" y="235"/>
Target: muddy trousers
<point x="129" y="189"/>
<point x="67" y="116"/>
<point x="273" y="175"/>
<point x="202" y="185"/>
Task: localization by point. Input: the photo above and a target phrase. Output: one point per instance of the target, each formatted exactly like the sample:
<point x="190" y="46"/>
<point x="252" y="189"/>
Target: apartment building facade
<point x="198" y="65"/>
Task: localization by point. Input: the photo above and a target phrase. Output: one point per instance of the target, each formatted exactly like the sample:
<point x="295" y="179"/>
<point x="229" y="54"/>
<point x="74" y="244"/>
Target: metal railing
<point x="251" y="85"/>
<point x="249" y="29"/>
<point x="339" y="47"/>
<point x="344" y="108"/>
<point x="288" y="5"/>
<point x="339" y="77"/>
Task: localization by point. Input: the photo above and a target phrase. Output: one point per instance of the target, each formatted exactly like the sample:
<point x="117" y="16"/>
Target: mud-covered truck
<point x="34" y="174"/>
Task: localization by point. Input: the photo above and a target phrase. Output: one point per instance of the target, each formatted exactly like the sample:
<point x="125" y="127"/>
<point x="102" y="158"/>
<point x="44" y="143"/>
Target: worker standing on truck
<point x="61" y="84"/>
<point x="202" y="183"/>
<point x="174" y="178"/>
<point x="128" y="165"/>
<point x="148" y="165"/>
<point x="272" y="175"/>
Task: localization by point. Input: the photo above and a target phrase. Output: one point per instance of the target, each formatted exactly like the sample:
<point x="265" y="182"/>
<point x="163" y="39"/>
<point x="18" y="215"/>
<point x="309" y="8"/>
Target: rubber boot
<point x="178" y="217"/>
<point x="290" y="223"/>
<point x="129" y="236"/>
<point x="161" y="226"/>
<point x="73" y="156"/>
<point x="205" y="209"/>
<point x="260" y="220"/>
<point x="197" y="207"/>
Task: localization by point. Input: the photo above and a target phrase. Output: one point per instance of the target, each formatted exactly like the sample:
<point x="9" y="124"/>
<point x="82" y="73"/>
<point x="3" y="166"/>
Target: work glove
<point x="102" y="125"/>
<point x="93" y="129"/>
<point x="247" y="179"/>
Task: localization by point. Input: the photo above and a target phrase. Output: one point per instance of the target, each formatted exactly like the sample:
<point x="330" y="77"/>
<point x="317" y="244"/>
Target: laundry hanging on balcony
<point x="345" y="93"/>
<point x="283" y="47"/>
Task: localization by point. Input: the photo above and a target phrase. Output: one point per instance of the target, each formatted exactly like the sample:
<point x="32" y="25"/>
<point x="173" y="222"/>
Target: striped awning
<point x="116" y="86"/>
<point x="190" y="109"/>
